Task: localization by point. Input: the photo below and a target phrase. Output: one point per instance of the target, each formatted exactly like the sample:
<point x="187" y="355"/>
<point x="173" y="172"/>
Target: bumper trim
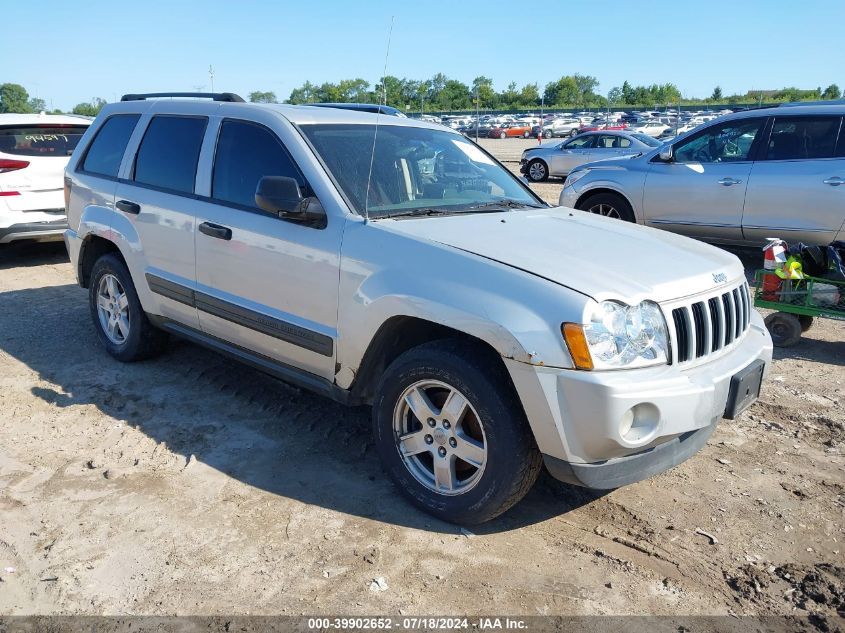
<point x="33" y="230"/>
<point x="632" y="468"/>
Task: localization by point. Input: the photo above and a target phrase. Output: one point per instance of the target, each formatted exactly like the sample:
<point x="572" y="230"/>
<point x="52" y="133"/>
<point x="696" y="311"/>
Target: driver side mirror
<point x="666" y="154"/>
<point x="280" y="195"/>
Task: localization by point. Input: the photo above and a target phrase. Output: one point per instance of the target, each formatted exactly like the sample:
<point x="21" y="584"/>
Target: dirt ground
<point x="193" y="485"/>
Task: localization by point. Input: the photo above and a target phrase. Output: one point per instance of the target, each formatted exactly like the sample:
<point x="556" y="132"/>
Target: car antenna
<point x="378" y="116"/>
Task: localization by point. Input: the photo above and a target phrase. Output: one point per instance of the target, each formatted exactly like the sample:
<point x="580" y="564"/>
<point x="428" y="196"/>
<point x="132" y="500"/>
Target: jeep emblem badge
<point x="720" y="278"/>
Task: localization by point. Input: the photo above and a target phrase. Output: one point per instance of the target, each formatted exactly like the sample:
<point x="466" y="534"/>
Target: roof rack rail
<point x="215" y="96"/>
<point x="833" y="102"/>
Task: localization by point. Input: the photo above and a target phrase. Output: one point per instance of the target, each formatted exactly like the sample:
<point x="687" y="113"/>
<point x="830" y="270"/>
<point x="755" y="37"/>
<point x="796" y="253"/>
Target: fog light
<point x="639" y="423"/>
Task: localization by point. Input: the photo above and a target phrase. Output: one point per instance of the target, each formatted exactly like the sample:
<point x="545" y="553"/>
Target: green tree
<point x="304" y="94"/>
<point x="717" y="94"/>
<point x="90" y="109"/>
<point x="14" y="98"/>
<point x="37" y="105"/>
<point x="262" y="97"/>
<point x="529" y="96"/>
<point x="832" y="92"/>
<point x="614" y="95"/>
<point x="627" y="93"/>
<point x="483" y="87"/>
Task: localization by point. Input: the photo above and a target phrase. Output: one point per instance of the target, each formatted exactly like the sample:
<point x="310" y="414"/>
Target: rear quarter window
<point x="40" y="140"/>
<point x="106" y="150"/>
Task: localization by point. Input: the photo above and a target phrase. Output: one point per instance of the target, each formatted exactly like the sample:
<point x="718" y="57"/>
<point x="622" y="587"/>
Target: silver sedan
<point x="558" y="159"/>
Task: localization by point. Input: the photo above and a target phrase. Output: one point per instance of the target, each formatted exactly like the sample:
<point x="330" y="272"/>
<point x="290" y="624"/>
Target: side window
<point x="106" y="150"/>
<point x="722" y="143"/>
<point x="606" y="141"/>
<point x="245" y="153"/>
<point x="580" y="142"/>
<point x="803" y="138"/>
<point x="622" y="142"/>
<point x="169" y="152"/>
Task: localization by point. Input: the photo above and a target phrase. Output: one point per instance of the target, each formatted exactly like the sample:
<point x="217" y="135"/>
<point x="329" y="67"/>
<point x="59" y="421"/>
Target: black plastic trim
<point x="277" y="328"/>
<point x="267" y="365"/>
<point x="632" y="468"/>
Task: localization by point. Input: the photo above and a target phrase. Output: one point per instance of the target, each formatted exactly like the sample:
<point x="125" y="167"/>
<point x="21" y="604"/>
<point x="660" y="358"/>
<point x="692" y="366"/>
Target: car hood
<point x="596" y="256"/>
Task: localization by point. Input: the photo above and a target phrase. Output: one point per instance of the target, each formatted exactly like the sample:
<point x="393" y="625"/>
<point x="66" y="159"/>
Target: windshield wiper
<point x="415" y="212"/>
<point x="501" y="205"/>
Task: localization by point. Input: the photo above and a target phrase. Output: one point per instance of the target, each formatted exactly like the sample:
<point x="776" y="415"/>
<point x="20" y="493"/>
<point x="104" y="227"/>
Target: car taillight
<point x="67" y="192"/>
<point x="7" y="164"/>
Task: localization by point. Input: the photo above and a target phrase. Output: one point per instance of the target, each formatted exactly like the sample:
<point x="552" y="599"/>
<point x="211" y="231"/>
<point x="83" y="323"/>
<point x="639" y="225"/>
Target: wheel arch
<point x="610" y="190"/>
<point x="397" y="335"/>
<point x="93" y="247"/>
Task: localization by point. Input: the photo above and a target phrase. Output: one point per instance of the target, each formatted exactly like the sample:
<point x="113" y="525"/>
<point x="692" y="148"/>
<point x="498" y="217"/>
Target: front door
<point x="701" y="192"/>
<point x="571" y="153"/>
<point x="265" y="284"/>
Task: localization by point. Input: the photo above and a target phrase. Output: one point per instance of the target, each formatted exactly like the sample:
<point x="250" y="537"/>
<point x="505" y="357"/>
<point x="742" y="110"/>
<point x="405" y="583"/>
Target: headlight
<point x="575" y="176"/>
<point x="619" y="336"/>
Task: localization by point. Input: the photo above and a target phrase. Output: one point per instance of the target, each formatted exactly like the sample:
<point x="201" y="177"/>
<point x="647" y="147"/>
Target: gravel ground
<point x="193" y="485"/>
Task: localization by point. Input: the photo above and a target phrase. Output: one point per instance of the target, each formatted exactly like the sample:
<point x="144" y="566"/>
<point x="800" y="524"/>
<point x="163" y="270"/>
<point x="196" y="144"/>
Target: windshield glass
<point x="648" y="140"/>
<point x="413" y="168"/>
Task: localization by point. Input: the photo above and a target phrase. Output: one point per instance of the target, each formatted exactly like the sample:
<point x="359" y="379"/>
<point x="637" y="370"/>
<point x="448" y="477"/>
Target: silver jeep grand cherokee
<point x="389" y="262"/>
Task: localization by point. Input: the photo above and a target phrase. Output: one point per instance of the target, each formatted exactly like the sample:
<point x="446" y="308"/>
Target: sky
<point x="70" y="52"/>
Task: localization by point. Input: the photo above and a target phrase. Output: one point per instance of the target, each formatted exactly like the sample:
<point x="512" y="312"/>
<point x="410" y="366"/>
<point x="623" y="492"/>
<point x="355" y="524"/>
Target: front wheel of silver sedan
<point x="538" y="170"/>
<point x="452" y="433"/>
<point x="609" y="205"/>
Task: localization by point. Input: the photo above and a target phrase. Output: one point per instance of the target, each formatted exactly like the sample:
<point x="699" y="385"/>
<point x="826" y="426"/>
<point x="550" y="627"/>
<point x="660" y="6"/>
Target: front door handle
<point x="727" y="182"/>
<point x="834" y="182"/>
<point x="128" y="207"/>
<point x="216" y="231"/>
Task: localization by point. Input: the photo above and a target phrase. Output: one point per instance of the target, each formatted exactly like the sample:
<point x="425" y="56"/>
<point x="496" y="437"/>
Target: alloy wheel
<point x="113" y="309"/>
<point x="607" y="210"/>
<point x="440" y="437"/>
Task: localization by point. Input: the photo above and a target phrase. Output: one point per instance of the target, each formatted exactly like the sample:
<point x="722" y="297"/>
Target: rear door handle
<point x="834" y="182"/>
<point x="727" y="182"/>
<point x="215" y="230"/>
<point x="128" y="207"/>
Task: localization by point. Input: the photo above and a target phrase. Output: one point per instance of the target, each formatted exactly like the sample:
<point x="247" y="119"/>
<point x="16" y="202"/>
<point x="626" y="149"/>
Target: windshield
<point x="413" y="169"/>
<point x="648" y="140"/>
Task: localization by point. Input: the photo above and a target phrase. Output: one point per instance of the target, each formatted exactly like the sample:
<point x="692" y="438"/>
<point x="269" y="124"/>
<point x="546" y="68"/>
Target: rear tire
<point x="491" y="429"/>
<point x="609" y="205"/>
<point x="785" y="329"/>
<point x="120" y="321"/>
<point x="573" y="133"/>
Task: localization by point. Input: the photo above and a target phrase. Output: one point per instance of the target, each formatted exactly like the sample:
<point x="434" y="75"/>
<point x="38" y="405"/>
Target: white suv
<point x="391" y="262"/>
<point x="34" y="150"/>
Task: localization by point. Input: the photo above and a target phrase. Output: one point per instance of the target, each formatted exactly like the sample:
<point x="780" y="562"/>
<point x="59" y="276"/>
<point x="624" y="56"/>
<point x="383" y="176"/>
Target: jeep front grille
<point x="708" y="325"/>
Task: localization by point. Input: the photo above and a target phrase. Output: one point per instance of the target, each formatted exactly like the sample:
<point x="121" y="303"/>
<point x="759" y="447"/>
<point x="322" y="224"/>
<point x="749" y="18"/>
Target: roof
<point x="35" y="119"/>
<point x="298" y="114"/>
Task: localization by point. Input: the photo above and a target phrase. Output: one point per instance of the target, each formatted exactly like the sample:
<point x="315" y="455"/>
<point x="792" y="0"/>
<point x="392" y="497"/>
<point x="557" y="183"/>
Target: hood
<point x="596" y="256"/>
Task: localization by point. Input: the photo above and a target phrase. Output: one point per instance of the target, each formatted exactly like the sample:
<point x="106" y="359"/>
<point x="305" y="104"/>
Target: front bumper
<point x="523" y="165"/>
<point x="579" y="418"/>
<point x="41" y="231"/>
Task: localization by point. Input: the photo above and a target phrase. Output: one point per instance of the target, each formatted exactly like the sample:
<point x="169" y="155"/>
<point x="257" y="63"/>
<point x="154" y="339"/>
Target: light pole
<point x="211" y="76"/>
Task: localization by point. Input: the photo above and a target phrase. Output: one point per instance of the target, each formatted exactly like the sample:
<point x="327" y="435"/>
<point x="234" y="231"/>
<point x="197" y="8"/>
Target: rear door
<point x="156" y="211"/>
<point x="701" y="192"/>
<point x="796" y="189"/>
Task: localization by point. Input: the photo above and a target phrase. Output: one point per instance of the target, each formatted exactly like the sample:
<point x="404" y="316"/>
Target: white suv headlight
<point x="619" y="336"/>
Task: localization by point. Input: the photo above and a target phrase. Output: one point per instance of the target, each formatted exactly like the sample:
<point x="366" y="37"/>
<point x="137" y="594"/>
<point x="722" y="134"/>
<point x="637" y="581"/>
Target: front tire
<point x="537" y="171"/>
<point x="573" y="133"/>
<point x="503" y="135"/>
<point x="609" y="205"/>
<point x="452" y="434"/>
<point x="120" y="321"/>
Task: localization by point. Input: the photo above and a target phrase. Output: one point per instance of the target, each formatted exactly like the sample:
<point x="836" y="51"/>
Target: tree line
<point x="442" y="94"/>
